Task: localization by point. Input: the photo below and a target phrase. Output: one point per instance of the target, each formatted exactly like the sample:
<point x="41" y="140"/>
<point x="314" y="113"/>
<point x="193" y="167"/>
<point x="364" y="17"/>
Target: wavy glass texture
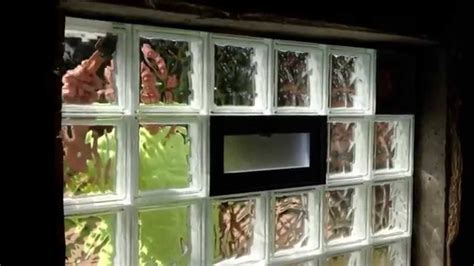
<point x="293" y="80"/>
<point x="339" y="214"/>
<point x="291" y="221"/>
<point x="90" y="153"/>
<point x="342" y="147"/>
<point x="165" y="237"/>
<point x="165" y="72"/>
<point x="90" y="239"/>
<point x="389" y="208"/>
<point x="234" y="76"/>
<point x="88" y="68"/>
<point x="164" y="153"/>
<point x="343" y="81"/>
<point x="233" y="225"/>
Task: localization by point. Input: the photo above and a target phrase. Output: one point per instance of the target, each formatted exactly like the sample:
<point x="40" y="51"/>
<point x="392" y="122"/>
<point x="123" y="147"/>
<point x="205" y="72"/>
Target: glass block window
<point x="136" y="135"/>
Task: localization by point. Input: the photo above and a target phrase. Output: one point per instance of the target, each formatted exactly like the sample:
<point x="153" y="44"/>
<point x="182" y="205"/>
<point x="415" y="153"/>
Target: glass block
<point x="169" y="150"/>
<point x="348" y="149"/>
<point x="92" y="67"/>
<point x="90" y="239"/>
<point x="298" y="77"/>
<point x="91" y="158"/>
<point x="345" y="215"/>
<point x="240" y="74"/>
<point x="169" y="235"/>
<point x="393" y="146"/>
<point x="170" y="70"/>
<point x="393" y="254"/>
<point x="295" y="218"/>
<point x="354" y="258"/>
<point x="351" y="80"/>
<point x="237" y="230"/>
<point x="390" y="207"/>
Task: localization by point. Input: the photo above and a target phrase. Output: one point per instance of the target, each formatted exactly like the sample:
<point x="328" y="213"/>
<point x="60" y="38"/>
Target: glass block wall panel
<point x="137" y="101"/>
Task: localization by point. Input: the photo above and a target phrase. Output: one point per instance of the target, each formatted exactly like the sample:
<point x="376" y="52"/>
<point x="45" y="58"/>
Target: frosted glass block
<point x="170" y="70"/>
<point x="90" y="239"/>
<point x="239" y="75"/>
<point x="170" y="235"/>
<point x="390" y="207"/>
<point x="170" y="152"/>
<point x="294" y="222"/>
<point x="92" y="68"/>
<point x="354" y="258"/>
<point x="393" y="146"/>
<point x="246" y="153"/>
<point x="351" y="80"/>
<point x="345" y="215"/>
<point x="94" y="159"/>
<point x="392" y="254"/>
<point x="349" y="149"/>
<point x="237" y="234"/>
<point x="298" y="78"/>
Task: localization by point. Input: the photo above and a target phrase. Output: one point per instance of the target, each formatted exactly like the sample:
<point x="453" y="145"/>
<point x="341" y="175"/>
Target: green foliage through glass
<point x="90" y="239"/>
<point x="89" y="160"/>
<point x="164" y="157"/>
<point x="165" y="237"/>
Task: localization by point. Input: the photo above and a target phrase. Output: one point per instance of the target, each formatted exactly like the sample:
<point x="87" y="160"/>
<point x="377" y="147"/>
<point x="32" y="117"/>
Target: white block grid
<point x="361" y="217"/>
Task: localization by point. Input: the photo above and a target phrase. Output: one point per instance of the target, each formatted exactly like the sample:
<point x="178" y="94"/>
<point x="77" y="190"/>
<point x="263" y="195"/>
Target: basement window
<point x="194" y="148"/>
